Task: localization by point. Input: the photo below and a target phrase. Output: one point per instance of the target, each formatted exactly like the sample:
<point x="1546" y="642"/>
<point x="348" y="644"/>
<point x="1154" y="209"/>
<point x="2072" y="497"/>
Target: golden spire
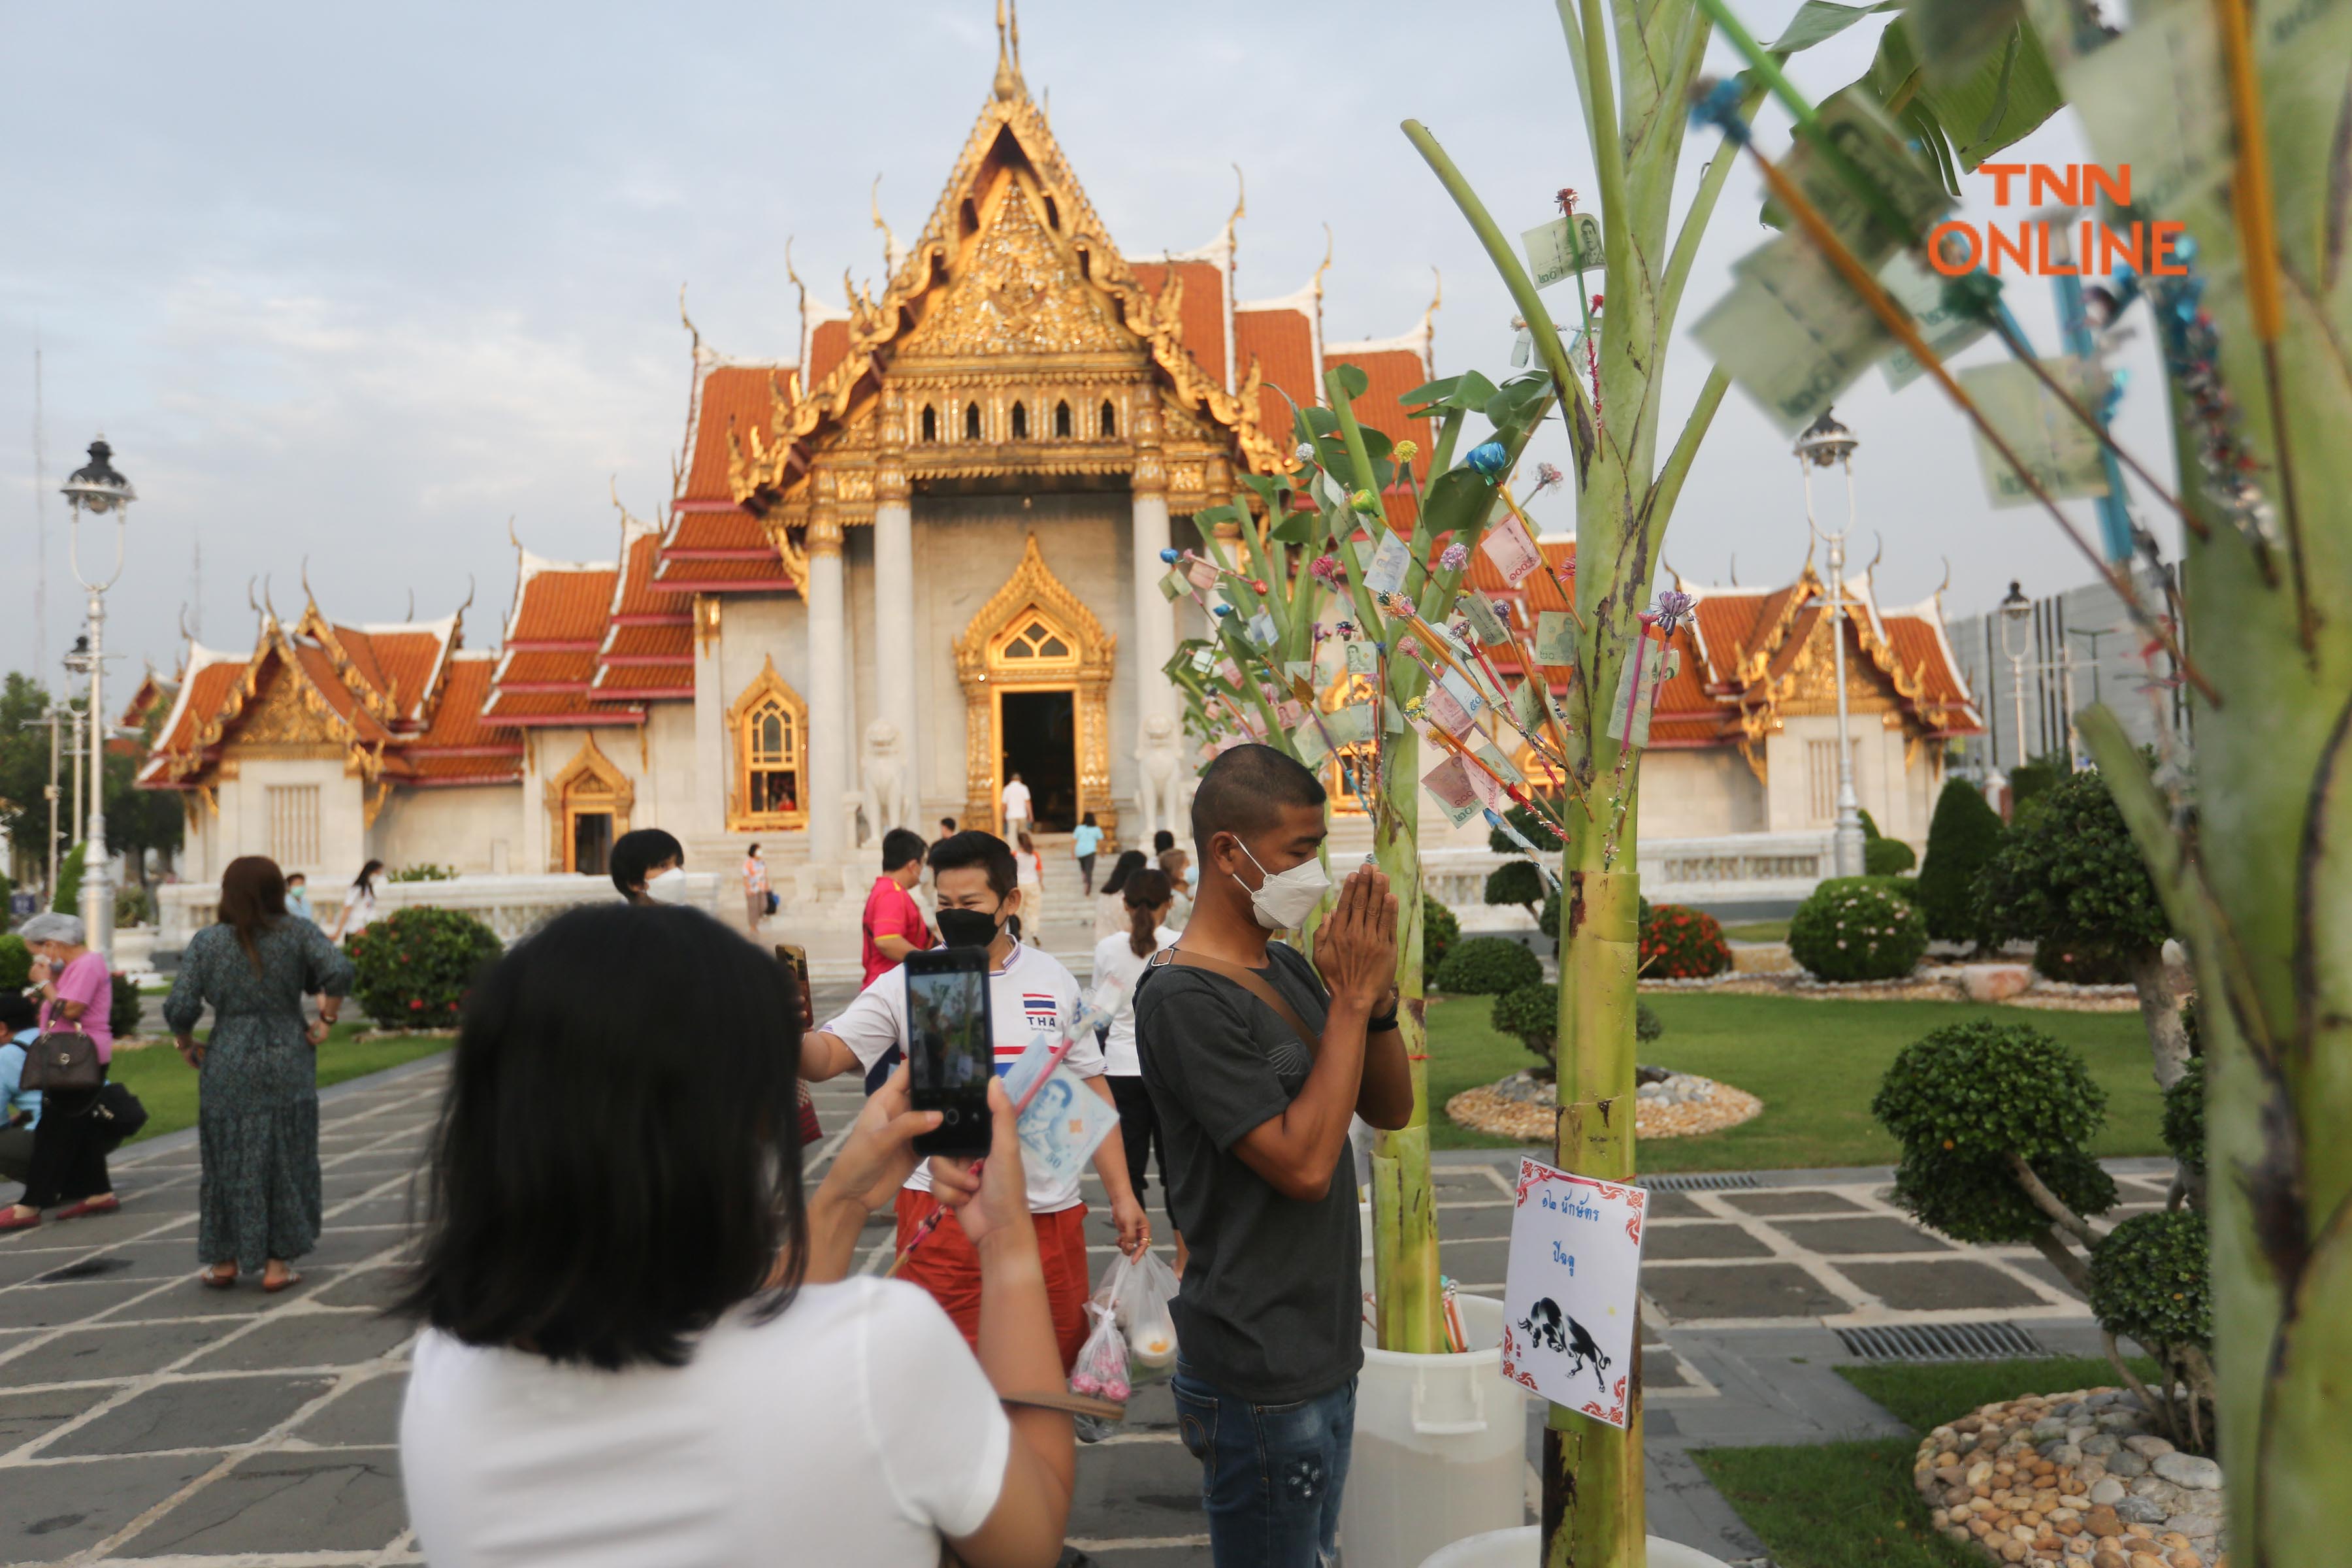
<point x="1325" y="265"/>
<point x="1008" y="74"/>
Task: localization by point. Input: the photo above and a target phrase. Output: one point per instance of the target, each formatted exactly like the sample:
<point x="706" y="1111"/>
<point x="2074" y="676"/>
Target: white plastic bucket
<point x="1440" y="1450"/>
<point x="1523" y="1548"/>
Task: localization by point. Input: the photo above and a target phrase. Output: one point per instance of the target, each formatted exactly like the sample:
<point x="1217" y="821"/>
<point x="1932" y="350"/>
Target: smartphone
<point x="795" y="958"/>
<point x="950" y="1047"/>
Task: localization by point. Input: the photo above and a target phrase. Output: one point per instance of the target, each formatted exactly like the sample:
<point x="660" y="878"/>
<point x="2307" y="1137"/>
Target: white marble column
<point x="1155" y="617"/>
<point x="894" y="630"/>
<point x="830" y="744"/>
<point x="714" y="786"/>
<point x="1154" y="641"/>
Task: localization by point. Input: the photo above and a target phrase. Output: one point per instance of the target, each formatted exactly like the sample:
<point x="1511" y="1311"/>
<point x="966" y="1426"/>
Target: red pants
<point x="947" y="1267"/>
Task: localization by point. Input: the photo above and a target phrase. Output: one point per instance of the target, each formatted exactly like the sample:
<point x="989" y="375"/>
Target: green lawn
<point x="1758" y="931"/>
<point x="1851" y="1505"/>
<point x="1815" y="1064"/>
<point x="166" y="1086"/>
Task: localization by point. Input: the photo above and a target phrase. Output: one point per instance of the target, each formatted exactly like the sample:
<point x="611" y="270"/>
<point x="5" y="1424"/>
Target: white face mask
<point x="669" y="888"/>
<point x="1281" y="902"/>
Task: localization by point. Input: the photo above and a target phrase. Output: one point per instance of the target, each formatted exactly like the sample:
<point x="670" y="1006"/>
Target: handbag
<point x="116" y="1116"/>
<point x="64" y="1059"/>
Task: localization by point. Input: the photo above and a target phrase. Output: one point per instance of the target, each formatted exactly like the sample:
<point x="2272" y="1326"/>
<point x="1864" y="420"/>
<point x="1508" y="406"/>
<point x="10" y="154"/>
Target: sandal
<point x="210" y="1275"/>
<point x="106" y="1205"/>
<point x="283" y="1282"/>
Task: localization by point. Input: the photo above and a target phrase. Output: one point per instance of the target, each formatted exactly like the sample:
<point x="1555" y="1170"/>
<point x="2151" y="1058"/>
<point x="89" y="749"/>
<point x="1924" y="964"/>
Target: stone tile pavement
<point x="145" y="1419"/>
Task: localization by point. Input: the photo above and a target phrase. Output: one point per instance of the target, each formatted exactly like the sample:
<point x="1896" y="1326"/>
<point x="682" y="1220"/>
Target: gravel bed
<point x="2072" y="1480"/>
<point x="1666" y="1105"/>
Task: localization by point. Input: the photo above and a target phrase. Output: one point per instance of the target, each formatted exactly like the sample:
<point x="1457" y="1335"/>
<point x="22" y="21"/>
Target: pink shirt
<point x="86" y="979"/>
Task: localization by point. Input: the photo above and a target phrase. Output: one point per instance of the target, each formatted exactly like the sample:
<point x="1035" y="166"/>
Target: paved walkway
<point x="145" y="1419"/>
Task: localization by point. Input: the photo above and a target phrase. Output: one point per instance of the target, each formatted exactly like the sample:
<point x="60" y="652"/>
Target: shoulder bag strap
<point x="1248" y="981"/>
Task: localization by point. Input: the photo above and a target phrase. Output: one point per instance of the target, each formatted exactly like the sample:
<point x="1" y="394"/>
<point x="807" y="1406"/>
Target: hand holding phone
<point x="950" y="1047"/>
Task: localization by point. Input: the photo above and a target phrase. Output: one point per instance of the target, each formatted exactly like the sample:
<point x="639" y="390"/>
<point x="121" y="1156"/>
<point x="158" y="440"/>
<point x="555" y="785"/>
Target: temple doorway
<point x="1040" y="736"/>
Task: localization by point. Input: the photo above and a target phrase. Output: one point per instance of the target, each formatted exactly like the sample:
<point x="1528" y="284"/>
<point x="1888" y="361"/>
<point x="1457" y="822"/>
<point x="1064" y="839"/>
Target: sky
<point x="354" y="286"/>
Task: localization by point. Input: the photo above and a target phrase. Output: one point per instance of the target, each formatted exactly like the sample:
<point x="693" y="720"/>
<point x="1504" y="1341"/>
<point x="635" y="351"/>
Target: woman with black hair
<point x="257" y="1199"/>
<point x="359" y="903"/>
<point x="642" y="1345"/>
<point x="1110" y="904"/>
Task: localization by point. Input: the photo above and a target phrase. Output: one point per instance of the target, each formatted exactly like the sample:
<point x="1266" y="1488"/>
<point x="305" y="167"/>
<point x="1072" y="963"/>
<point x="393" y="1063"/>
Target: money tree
<point x="1344" y="562"/>
<point x="1634" y="66"/>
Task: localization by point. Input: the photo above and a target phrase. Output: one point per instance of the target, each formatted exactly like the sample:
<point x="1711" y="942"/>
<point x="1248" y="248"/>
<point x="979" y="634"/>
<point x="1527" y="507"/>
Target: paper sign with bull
<point x="1569" y="1315"/>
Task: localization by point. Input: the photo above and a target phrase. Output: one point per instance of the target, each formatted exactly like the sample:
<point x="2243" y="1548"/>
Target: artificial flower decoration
<point x="1487" y="460"/>
<point x="1453" y="558"/>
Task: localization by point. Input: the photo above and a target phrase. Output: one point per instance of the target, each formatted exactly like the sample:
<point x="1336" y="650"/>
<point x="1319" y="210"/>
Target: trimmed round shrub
<point x="1679" y="944"/>
<point x="1886" y="857"/>
<point x="1961" y="837"/>
<point x="1515" y="882"/>
<point x="2069" y="873"/>
<point x="2183" y="1125"/>
<point x="2081" y="963"/>
<point x="1439" y="931"/>
<point x="2149" y="1279"/>
<point x="416" y="964"/>
<point x="1488" y="967"/>
<point x="125" y="1008"/>
<point x="1531" y="1014"/>
<point x="1858" y="929"/>
<point x="1962" y="1099"/>
<point x="16" y="962"/>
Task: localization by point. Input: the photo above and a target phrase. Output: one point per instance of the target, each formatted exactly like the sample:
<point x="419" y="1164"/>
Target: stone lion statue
<point x="883" y="768"/>
<point x="1159" y="775"/>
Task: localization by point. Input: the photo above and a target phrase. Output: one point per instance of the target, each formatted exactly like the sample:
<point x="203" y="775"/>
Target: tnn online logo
<point x="1957" y="246"/>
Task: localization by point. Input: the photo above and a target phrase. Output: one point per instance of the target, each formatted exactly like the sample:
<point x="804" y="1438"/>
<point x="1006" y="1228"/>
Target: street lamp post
<point x="2015" y="610"/>
<point x="97" y="488"/>
<point x="1825" y="442"/>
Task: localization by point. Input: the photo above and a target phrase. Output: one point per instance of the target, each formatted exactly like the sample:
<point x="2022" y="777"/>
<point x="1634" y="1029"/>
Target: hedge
<point x="416" y="964"/>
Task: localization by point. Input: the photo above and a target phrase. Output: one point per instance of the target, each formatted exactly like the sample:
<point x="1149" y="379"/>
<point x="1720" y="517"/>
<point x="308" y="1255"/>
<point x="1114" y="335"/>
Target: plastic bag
<point x="1101" y="1368"/>
<point x="1144" y="1294"/>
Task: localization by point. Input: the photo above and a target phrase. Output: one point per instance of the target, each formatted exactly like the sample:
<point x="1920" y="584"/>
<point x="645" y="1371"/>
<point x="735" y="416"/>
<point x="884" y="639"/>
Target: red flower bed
<point x="1679" y="944"/>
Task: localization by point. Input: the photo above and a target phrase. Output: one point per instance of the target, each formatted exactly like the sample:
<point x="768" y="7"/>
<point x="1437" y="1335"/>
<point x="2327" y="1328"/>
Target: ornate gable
<point x="1012" y="338"/>
<point x="1017" y="292"/>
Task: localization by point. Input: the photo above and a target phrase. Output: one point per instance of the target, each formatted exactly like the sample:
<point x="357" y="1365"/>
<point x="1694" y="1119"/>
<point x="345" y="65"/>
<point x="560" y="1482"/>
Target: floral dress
<point x="257" y="1093"/>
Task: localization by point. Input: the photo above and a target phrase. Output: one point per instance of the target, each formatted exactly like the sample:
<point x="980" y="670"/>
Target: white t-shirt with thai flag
<point x="1033" y="992"/>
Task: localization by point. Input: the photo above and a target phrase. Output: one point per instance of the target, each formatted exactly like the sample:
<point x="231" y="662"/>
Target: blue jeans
<point x="1271" y="1475"/>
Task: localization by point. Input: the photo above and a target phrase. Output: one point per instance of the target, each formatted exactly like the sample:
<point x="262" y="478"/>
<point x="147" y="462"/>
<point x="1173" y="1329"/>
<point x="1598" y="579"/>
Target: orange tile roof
<point x="649" y="639"/>
<point x="558" y="621"/>
<point x="1921" y="647"/>
<point x="399" y="662"/>
<point x="317" y="667"/>
<point x="730" y="395"/>
<point x="1201" y="311"/>
<point x="1391" y="373"/>
<point x="460" y="748"/>
<point x="563" y="604"/>
<point x="204" y="688"/>
<point x="692" y="575"/>
<point x="828" y="346"/>
<point x="717" y="551"/>
<point x="1282" y="341"/>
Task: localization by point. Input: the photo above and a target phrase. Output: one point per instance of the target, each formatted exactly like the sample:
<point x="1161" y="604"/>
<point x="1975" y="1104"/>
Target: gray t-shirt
<point x="1271" y="1306"/>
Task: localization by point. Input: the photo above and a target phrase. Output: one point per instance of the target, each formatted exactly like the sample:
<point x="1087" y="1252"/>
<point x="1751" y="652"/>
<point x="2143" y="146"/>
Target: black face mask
<point x="967" y="928"/>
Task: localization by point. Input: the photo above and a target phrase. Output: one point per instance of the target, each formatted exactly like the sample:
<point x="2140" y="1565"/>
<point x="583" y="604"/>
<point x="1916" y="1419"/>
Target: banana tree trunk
<point x="2261" y="884"/>
<point x="1404" y="1206"/>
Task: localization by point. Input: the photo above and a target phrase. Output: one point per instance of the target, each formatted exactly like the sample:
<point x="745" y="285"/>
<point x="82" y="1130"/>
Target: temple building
<point x="916" y="555"/>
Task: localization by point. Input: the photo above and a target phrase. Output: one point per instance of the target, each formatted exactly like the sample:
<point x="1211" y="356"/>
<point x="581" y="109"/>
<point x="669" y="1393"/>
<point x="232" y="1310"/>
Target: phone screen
<point x="949" y="1032"/>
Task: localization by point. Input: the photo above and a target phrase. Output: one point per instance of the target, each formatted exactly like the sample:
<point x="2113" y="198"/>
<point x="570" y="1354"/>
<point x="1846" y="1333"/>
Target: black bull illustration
<point x="1548" y="1326"/>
